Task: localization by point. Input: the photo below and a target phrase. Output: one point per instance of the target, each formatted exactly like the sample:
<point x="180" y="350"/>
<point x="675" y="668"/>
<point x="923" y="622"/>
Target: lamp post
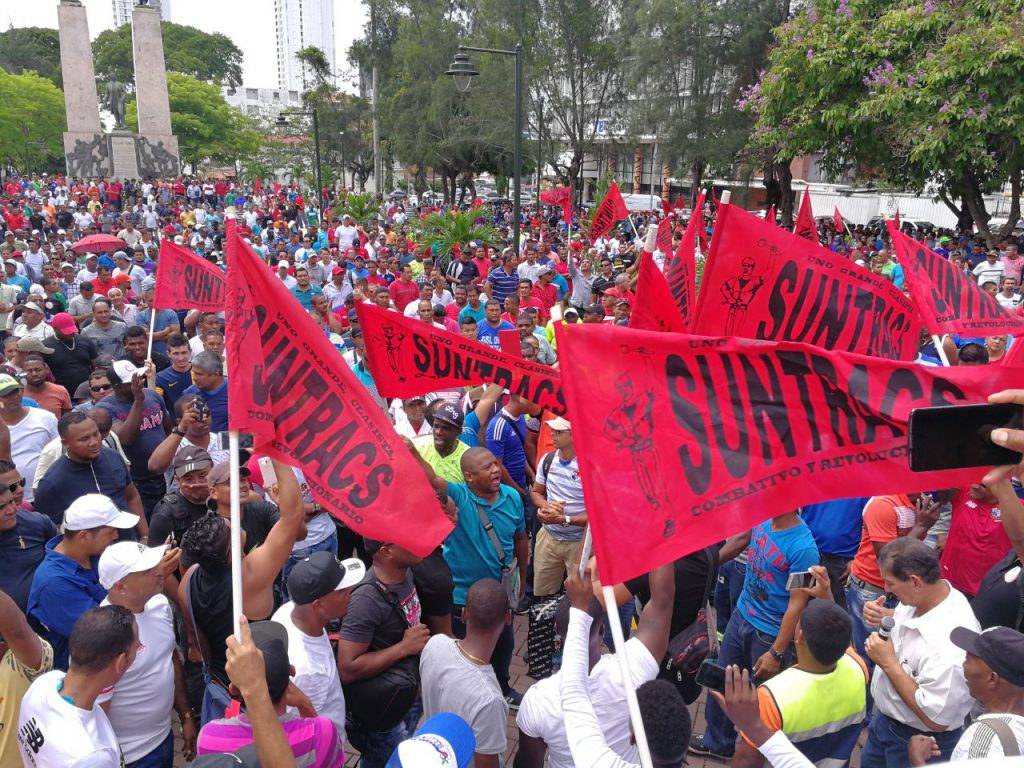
<point x="342" y="143"/>
<point x="463" y="72"/>
<point x="282" y="122"/>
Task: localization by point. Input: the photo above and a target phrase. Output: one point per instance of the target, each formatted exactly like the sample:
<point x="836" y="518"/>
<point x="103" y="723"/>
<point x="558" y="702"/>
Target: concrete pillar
<point x="80" y="102"/>
<point x="150" y="75"/>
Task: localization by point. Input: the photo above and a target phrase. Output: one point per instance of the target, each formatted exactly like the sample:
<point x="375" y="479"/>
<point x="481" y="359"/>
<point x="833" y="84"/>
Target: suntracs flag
<point x="612" y="209"/>
<point x="693" y="439"/>
<point x="408" y="357"/>
<point x="291" y="388"/>
<point x="184" y="279"/>
<point x="681" y="269"/>
<point x="948" y="301"/>
<point x="805" y="226"/>
<point x="655" y="308"/>
<point x="762" y="282"/>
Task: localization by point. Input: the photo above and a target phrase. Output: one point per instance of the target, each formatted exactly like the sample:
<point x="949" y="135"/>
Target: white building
<point x="262" y="102"/>
<point x="299" y="24"/>
<point x="123" y="10"/>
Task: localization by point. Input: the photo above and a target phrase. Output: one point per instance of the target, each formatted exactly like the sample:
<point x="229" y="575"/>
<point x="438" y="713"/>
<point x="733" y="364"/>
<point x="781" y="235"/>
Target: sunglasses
<point x="102" y="388"/>
<point x="13" y="487"/>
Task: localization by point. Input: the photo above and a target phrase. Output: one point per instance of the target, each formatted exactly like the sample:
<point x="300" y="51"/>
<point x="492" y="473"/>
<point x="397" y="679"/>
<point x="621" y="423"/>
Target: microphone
<point x="888" y="624"/>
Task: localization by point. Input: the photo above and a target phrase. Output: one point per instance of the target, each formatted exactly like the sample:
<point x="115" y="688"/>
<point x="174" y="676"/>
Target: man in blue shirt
<point x="165" y="325"/>
<point x="761" y="628"/>
<point x="492" y="324"/>
<point x="506" y="439"/>
<point x="470" y="549"/>
<point x="304" y="289"/>
<point x="66" y="584"/>
<point x="212" y="387"/>
<point x="23" y="537"/>
<point x="172" y="381"/>
<point x="505" y="279"/>
<point x="836" y="528"/>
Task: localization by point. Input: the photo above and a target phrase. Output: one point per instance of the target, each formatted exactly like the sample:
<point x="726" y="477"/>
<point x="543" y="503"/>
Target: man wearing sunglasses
<point x="23" y="537"/>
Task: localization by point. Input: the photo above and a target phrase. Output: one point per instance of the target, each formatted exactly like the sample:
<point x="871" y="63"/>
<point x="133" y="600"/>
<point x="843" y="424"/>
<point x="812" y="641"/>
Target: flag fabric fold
<point x="561" y="197"/>
<point x="805" y="226"/>
<point x="693" y="439"/>
<point x="187" y="280"/>
<point x="612" y="209"/>
<point x="839" y="221"/>
<point x="663" y="241"/>
<point x="770" y="216"/>
<point x="655" y="308"/>
<point x="762" y="282"/>
<point x="293" y="391"/>
<point x="947" y="300"/>
<point x="408" y="357"/>
<point x="681" y="269"/>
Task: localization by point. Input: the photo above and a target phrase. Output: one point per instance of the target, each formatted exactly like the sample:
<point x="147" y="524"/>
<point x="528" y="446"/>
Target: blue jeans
<point x="856" y="598"/>
<point x="161" y="757"/>
<point x="625" y="619"/>
<point x="727" y="592"/>
<point x="886" y="746"/>
<point x="743" y="644"/>
<point x="376" y="747"/>
<point x="330" y="544"/>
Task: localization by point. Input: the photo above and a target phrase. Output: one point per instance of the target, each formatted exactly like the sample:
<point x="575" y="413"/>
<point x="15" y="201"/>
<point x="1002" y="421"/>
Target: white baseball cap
<point x="558" y="424"/>
<point x="125" y="370"/>
<point x="94" y="510"/>
<point x="127" y="557"/>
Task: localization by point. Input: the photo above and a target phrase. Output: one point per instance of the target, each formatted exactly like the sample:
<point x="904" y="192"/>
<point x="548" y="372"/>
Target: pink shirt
<point x="315" y="741"/>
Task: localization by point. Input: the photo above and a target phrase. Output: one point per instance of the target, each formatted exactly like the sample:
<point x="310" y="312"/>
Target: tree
<point x="207" y="127"/>
<point x="187" y="50"/>
<point x="32" y="122"/>
<point x="31" y="49"/>
<point x="918" y="93"/>
<point x="443" y="231"/>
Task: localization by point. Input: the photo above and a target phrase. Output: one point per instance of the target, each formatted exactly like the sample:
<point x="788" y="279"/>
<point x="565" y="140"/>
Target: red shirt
<point x="533" y="301"/>
<point x="403" y="292"/>
<point x="547" y="295"/>
<point x="975" y="543"/>
<point x="885" y="518"/>
<point x="484" y="265"/>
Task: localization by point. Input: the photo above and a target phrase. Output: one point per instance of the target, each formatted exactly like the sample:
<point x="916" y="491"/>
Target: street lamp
<point x="282" y="122"/>
<point x="342" y="144"/>
<point x="463" y="72"/>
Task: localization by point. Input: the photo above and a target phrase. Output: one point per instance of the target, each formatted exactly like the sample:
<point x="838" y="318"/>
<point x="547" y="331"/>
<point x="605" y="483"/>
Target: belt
<point x="865" y="585"/>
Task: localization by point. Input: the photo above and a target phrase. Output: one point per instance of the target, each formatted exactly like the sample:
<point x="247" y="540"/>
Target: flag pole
<point x="941" y="352"/>
<point x="152" y="327"/>
<point x="236" y="485"/>
<point x="639" y="734"/>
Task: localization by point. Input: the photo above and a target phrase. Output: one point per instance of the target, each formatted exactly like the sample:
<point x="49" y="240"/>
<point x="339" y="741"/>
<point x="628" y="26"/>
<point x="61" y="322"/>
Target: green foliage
<point x="31" y="122"/>
<point x="363" y="208"/>
<point x="914" y="92"/>
<point x="447" y="229"/>
<point x="187" y="50"/>
<point x="207" y="127"/>
<point x="31" y="49"/>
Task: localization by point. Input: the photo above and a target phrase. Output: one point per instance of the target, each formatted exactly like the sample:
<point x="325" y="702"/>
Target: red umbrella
<point x="99" y="244"/>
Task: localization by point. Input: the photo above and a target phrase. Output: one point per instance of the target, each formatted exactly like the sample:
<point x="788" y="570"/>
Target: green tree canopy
<point x="31" y="49"/>
<point x="187" y="50"/>
<point x="31" y="122"/>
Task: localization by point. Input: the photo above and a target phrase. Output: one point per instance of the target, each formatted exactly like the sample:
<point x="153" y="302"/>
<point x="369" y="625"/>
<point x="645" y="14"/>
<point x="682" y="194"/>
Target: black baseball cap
<point x="272" y="640"/>
<point x="594" y="309"/>
<point x="450" y="414"/>
<point x="1001" y="648"/>
<point x="320" y="574"/>
<point x="191" y="459"/>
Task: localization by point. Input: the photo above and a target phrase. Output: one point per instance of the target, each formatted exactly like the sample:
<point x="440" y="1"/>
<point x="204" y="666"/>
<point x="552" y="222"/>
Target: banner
<point x="949" y="302"/>
<point x="654" y="309"/>
<point x="663" y="241"/>
<point x="291" y="388"/>
<point x="407" y="357"/>
<point x="840" y="225"/>
<point x="805" y="226"/>
<point x="690" y="440"/>
<point x="561" y="197"/>
<point x="612" y="209"/>
<point x="762" y="282"/>
<point x="681" y="269"/>
<point x="185" y="280"/>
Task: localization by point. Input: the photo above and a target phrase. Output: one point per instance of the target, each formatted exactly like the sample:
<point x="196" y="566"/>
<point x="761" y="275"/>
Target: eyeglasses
<point x="13" y="487"/>
<point x="102" y="388"/>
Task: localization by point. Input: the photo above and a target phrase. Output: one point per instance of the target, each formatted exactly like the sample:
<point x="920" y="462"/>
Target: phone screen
<point x="799" y="579"/>
<point x="711" y="676"/>
<point x="955" y="436"/>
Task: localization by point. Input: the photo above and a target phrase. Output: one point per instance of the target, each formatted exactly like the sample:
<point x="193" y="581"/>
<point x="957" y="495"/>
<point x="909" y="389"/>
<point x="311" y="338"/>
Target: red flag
<point x="666" y="207"/>
<point x="701" y="227"/>
<point x="948" y="301"/>
<point x="680" y="270"/>
<point x="709" y="437"/>
<point x="408" y="357"/>
<point x="258" y="185"/>
<point x="679" y="204"/>
<point x="838" y="219"/>
<point x="561" y="197"/>
<point x="291" y="388"/>
<point x="770" y="216"/>
<point x="612" y="209"/>
<point x="655" y="308"/>
<point x="277" y="188"/>
<point x="186" y="280"/>
<point x="663" y="241"/>
<point x="897" y="218"/>
<point x="1014" y="356"/>
<point x="805" y="226"/>
<point x="763" y="282"/>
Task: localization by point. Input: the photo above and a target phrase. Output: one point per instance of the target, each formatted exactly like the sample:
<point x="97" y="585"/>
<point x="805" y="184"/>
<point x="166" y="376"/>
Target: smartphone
<point x="711" y="676"/>
<point x="955" y="436"/>
<point x="201" y="407"/>
<point x="268" y="471"/>
<point x="799" y="579"/>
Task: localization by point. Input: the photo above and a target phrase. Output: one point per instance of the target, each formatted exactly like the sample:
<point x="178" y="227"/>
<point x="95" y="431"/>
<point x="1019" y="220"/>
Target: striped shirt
<point x="505" y="284"/>
<point x="315" y="741"/>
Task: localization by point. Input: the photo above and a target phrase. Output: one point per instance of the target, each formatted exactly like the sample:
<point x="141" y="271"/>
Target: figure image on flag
<point x="631" y="424"/>
<point x="739" y="292"/>
<point x="392" y="346"/>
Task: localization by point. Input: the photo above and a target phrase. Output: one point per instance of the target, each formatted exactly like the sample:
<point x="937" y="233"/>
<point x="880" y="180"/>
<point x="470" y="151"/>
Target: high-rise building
<point x="299" y="24"/>
<point x="123" y="10"/>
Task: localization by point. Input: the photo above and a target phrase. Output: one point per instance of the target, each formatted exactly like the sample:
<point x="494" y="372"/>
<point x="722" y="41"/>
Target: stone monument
<point x="153" y="152"/>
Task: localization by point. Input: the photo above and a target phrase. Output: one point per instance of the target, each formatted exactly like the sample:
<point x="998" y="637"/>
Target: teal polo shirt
<point x="468" y="549"/>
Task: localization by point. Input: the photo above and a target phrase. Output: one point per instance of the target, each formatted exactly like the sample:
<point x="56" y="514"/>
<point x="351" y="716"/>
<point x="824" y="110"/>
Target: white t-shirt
<point x="981" y="742"/>
<point x="345" y="236"/>
<point x="540" y="714"/>
<point x="142" y="700"/>
<point x="316" y="670"/>
<point x="28" y="438"/>
<point x="53" y="733"/>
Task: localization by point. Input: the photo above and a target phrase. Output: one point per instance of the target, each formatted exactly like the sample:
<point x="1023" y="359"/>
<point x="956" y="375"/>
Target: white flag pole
<point x="939" y="350"/>
<point x="152" y="328"/>
<point x="639" y="734"/>
<point x="236" y="494"/>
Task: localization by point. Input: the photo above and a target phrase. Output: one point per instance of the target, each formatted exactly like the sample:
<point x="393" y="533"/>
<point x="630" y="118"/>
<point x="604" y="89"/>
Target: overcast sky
<point x="249" y="23"/>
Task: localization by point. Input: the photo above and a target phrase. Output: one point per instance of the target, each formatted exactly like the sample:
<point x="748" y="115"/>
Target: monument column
<point x="156" y="146"/>
<point x="85" y="145"/>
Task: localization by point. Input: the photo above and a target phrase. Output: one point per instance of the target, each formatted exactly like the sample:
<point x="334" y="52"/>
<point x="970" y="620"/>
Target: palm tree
<point x="447" y="229"/>
<point x="362" y="208"/>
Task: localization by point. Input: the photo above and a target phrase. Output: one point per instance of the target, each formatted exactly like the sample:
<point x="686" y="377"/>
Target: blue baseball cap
<point x="443" y="741"/>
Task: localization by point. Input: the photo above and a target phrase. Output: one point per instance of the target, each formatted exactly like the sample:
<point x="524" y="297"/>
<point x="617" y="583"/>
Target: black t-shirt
<point x="160" y="362"/>
<point x="433" y="579"/>
<point x="173" y="514"/>
<point x="691" y="585"/>
<point x="999" y="602"/>
<point x="66" y="480"/>
<point x="210" y="597"/>
<point x="71" y="365"/>
<point x="374" y="619"/>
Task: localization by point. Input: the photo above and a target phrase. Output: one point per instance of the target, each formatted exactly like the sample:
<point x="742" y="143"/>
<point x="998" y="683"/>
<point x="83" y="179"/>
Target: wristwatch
<point x="775" y="654"/>
<point x="177" y="432"/>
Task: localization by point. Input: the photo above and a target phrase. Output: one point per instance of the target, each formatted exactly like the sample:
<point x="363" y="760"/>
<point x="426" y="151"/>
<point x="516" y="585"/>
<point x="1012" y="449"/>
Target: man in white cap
<point x="32" y="316"/>
<point x="30" y="429"/>
<point x="66" y="584"/>
<point x="139" y="705"/>
<point x="320" y="588"/>
<point x="282" y="272"/>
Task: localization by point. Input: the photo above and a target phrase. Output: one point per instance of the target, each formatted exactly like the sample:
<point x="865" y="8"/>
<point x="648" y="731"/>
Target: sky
<point x="249" y="23"/>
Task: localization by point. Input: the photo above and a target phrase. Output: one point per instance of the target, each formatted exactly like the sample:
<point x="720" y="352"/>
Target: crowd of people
<point x="115" y="593"/>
